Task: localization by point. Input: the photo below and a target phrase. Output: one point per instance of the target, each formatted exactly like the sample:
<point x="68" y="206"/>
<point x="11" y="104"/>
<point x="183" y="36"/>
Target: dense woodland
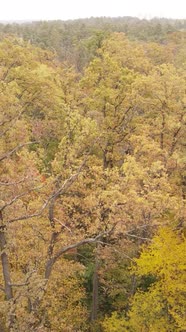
<point x="93" y="176"/>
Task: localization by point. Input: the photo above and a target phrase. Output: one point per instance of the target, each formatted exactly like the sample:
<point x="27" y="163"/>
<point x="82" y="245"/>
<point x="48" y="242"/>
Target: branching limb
<point x="18" y="197"/>
<point x="50" y="263"/>
<point x="7" y="184"/>
<point x="18" y="147"/>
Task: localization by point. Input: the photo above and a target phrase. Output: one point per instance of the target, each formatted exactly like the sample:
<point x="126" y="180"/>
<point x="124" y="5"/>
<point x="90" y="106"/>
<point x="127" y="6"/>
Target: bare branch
<point x="68" y="182"/>
<point x="53" y="196"/>
<point x="3" y="78"/>
<point x="9" y="121"/>
<point x="19" y="196"/>
<point x="18" y="147"/>
<point x="30" y="216"/>
<point x="174" y="141"/>
<point x="13" y="183"/>
<point x="78" y="244"/>
<point x="26" y="283"/>
<point x="2" y="123"/>
<point x="138" y="237"/>
<point x="2" y="288"/>
<point x="117" y="251"/>
<point x="50" y="263"/>
<point x="63" y="225"/>
<point x="20" y="285"/>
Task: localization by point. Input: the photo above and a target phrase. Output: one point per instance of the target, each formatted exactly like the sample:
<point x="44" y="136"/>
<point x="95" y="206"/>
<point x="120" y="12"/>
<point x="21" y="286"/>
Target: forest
<point x="93" y="176"/>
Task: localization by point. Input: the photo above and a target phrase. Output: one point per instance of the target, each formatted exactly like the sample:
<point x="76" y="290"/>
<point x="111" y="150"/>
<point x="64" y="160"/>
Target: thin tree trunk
<point x="2" y="328"/>
<point x="108" y="156"/>
<point x="162" y="132"/>
<point x="95" y="284"/>
<point x="5" y="266"/>
<point x="6" y="275"/>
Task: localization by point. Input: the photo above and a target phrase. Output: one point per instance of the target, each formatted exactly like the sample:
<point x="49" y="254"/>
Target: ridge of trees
<point x="76" y="41"/>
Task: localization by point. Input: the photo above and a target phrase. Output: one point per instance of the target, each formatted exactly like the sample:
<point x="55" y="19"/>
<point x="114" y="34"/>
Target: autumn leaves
<point x="92" y="158"/>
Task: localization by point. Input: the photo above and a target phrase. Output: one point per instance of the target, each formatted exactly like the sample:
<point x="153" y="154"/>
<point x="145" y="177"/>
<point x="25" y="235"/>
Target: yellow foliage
<point x="163" y="306"/>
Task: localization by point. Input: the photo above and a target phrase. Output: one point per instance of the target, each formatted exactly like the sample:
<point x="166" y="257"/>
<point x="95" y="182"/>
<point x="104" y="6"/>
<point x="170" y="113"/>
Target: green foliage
<point x="77" y="41"/>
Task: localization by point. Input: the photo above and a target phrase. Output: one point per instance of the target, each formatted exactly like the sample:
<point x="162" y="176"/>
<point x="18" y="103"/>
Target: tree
<point x="34" y="180"/>
<point x="165" y="260"/>
<point x="107" y="97"/>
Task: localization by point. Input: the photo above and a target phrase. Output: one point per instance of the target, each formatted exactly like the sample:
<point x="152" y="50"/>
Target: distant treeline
<point x="76" y="41"/>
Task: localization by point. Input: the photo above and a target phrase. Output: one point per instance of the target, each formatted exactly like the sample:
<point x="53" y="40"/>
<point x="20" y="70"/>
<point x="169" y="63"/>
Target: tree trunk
<point x="6" y="275"/>
<point x="108" y="156"/>
<point x="5" y="265"/>
<point x="95" y="292"/>
<point x="162" y="132"/>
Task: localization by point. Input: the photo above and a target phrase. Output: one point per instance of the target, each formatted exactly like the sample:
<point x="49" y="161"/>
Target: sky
<point x="73" y="9"/>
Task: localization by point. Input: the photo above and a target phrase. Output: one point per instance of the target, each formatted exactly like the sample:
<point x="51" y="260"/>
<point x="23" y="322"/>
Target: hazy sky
<point x="71" y="9"/>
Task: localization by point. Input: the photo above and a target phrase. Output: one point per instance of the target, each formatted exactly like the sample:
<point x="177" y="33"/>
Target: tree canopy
<point x="92" y="177"/>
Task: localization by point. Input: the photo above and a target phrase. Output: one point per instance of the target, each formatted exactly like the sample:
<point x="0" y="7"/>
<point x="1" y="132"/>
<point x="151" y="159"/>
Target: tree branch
<point x="18" y="197"/>
<point x="139" y="237"/>
<point x="50" y="263"/>
<point x="18" y="147"/>
<point x="13" y="183"/>
<point x="19" y="285"/>
<point x="2" y="288"/>
<point x="52" y="198"/>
